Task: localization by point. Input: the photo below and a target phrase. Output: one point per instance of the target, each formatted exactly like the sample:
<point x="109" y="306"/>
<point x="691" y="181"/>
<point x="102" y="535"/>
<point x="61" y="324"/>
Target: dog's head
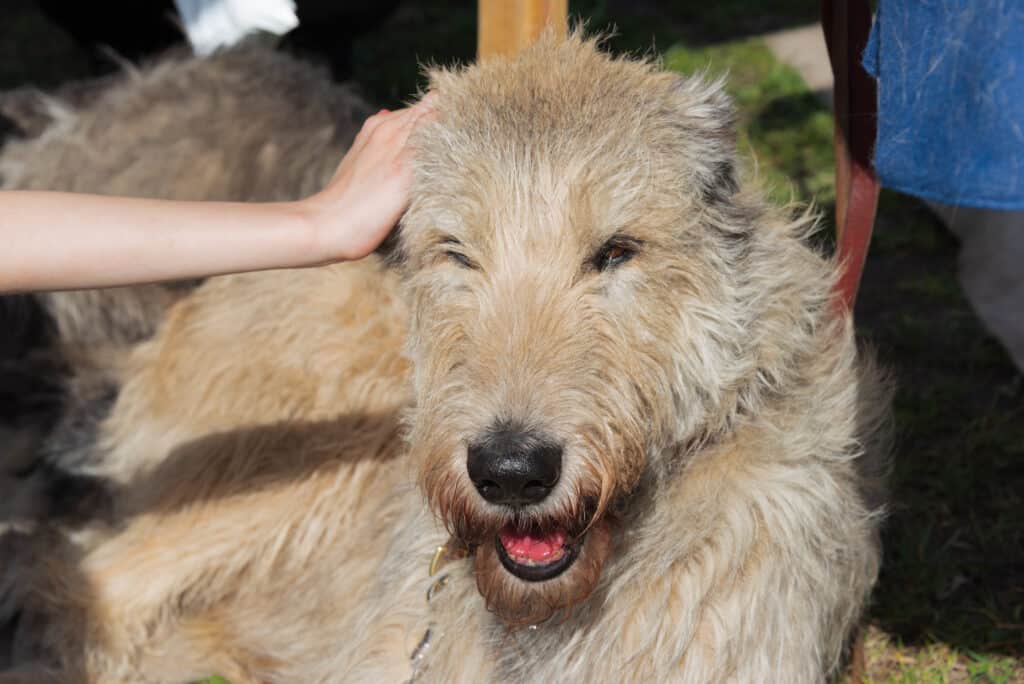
<point x="571" y="260"/>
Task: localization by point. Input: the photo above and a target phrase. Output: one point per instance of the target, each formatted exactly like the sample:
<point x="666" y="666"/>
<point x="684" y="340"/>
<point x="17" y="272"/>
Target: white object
<point x="213" y="24"/>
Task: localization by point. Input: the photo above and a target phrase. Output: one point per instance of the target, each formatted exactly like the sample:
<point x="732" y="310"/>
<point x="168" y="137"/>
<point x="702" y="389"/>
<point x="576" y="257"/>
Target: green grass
<point x="892" y="662"/>
<point x="785" y="128"/>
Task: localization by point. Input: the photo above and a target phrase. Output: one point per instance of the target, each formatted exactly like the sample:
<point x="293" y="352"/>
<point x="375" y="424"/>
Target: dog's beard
<point x="522" y="574"/>
<point x="579" y="513"/>
<point x="521" y="601"/>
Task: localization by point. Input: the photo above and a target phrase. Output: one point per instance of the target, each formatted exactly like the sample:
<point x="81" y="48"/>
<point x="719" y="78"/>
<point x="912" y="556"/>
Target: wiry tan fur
<point x="721" y="432"/>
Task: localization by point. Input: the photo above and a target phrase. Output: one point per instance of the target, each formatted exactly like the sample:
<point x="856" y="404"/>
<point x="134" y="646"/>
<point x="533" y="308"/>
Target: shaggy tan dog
<point x="605" y="379"/>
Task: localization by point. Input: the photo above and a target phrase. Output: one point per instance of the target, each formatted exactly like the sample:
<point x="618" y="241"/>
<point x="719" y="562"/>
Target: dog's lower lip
<point x="539" y="573"/>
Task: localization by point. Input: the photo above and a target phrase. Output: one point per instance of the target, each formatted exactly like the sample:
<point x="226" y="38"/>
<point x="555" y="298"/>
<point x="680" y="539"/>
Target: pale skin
<point x="66" y="241"/>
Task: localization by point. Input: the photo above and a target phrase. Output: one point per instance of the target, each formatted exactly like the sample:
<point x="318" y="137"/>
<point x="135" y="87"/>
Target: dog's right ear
<point x="706" y="119"/>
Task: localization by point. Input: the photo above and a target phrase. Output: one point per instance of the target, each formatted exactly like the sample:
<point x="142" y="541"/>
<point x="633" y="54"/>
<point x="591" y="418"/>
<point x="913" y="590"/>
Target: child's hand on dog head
<point x="370" y="190"/>
<point x="64" y="241"/>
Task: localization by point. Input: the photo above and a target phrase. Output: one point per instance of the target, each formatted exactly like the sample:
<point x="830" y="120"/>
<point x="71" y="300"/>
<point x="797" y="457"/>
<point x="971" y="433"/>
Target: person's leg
<point x="992" y="269"/>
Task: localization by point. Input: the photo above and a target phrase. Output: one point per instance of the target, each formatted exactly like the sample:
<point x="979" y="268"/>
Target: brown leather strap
<point x="847" y="24"/>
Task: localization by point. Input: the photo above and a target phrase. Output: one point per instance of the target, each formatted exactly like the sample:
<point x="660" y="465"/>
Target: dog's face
<point x="570" y="305"/>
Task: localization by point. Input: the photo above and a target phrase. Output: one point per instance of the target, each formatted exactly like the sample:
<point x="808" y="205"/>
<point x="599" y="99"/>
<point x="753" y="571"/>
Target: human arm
<point x="69" y="241"/>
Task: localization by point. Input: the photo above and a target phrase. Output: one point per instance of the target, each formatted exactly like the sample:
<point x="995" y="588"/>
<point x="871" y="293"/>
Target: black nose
<point x="514" y="466"/>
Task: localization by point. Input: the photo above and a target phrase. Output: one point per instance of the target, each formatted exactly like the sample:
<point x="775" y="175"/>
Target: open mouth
<point x="534" y="555"/>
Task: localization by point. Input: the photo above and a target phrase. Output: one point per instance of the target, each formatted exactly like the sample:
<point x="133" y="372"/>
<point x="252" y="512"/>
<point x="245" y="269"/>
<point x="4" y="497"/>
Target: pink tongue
<point x="534" y="548"/>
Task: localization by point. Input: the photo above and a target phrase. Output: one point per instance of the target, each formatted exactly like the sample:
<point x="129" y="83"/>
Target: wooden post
<point x="504" y="27"/>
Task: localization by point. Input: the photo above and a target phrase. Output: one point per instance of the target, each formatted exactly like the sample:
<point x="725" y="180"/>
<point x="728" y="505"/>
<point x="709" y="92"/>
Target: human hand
<point x="370" y="190"/>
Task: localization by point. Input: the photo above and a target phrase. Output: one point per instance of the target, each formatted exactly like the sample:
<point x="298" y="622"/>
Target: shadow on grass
<point x="954" y="544"/>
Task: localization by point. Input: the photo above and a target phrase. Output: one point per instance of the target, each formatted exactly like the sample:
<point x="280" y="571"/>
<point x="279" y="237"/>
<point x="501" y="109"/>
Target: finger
<point x="427" y="106"/>
<point x="392" y="128"/>
<point x="391" y="132"/>
<point x="407" y="119"/>
<point x="370" y="125"/>
<point x="418" y="116"/>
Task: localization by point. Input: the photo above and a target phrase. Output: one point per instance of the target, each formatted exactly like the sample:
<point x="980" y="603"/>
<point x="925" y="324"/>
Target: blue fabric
<point x="950" y="99"/>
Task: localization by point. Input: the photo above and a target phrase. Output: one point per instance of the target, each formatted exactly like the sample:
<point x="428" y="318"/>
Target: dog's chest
<point x="466" y="643"/>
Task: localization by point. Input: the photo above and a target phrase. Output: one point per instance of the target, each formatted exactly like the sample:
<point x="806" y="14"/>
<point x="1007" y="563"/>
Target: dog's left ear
<point x="707" y="122"/>
<point x="390" y="250"/>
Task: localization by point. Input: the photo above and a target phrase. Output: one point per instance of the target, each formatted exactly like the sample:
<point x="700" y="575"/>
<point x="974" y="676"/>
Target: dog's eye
<point x="459" y="258"/>
<point x="455" y="255"/>
<point x="615" y="252"/>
